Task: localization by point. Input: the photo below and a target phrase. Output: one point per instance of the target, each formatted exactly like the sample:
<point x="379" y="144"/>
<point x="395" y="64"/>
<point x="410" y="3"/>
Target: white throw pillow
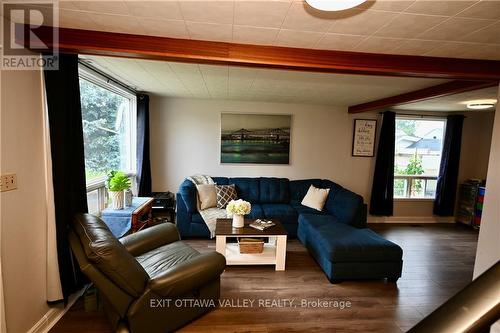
<point x="315" y="197"/>
<point x="207" y="197"/>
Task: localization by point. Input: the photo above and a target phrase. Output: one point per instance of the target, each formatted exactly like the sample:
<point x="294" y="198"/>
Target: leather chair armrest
<point x="150" y="238"/>
<point x="188" y="275"/>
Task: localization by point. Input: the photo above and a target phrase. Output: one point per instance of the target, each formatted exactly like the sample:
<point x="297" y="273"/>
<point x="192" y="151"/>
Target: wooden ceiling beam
<point x="445" y="89"/>
<point x="196" y="51"/>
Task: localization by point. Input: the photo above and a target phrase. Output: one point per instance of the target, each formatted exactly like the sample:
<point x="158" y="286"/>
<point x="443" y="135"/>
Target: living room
<point x="356" y="122"/>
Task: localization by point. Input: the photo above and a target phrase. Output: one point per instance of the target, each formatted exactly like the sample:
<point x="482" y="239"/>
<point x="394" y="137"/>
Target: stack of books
<point x="261" y="224"/>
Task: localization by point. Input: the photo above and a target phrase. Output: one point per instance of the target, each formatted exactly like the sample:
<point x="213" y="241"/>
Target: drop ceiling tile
<point x="107" y="7"/>
<point x="210" y="31"/>
<point x="167" y="10"/>
<point x="484" y="10"/>
<point x="216" y="79"/>
<point x="488" y="35"/>
<point x="75" y="19"/>
<point x="260" y="14"/>
<point x="164" y="28"/>
<point x="455" y="28"/>
<point x="378" y="45"/>
<point x="220" y="12"/>
<point x="241" y="80"/>
<point x="116" y="23"/>
<point x="409" y="25"/>
<point x="416" y="47"/>
<point x="483" y="51"/>
<point x="254" y="35"/>
<point x="450" y="49"/>
<point x="338" y="42"/>
<point x="304" y="18"/>
<point x="387" y="5"/>
<point x="438" y="7"/>
<point x="295" y="38"/>
<point x="359" y="22"/>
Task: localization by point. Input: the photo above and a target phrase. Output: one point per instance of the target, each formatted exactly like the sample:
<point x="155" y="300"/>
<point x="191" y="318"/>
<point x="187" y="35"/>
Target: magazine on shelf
<point x="261" y="224"/>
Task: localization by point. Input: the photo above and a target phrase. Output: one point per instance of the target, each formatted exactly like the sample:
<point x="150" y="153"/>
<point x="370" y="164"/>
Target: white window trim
<point x="423" y="118"/>
<point x="105" y="83"/>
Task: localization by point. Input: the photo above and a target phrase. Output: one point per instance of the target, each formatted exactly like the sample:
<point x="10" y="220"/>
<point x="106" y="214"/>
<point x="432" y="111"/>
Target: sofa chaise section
<point x="346" y="252"/>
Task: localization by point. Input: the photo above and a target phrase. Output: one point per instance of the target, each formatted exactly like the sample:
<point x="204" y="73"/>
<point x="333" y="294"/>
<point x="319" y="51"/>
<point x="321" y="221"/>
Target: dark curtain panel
<point x="143" y="160"/>
<point x="381" y="202"/>
<point x="68" y="161"/>
<point x="446" y="188"/>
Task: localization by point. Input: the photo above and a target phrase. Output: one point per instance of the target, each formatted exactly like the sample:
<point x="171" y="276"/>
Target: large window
<point x="417" y="157"/>
<point x="108" y="115"/>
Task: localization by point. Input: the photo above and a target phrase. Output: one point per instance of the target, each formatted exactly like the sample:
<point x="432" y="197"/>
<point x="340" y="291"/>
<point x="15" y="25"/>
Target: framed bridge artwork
<point x="255" y="138"/>
<point x="363" y="141"/>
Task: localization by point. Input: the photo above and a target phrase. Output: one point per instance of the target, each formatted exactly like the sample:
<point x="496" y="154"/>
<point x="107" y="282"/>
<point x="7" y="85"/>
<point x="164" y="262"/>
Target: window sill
<point x="414" y="199"/>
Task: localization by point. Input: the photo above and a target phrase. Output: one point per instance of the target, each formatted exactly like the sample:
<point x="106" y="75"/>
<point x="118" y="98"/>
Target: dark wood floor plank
<point x="438" y="262"/>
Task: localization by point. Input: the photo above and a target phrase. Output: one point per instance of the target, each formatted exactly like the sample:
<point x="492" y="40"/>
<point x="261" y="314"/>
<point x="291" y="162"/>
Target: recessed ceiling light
<point x="481" y="104"/>
<point x="334" y="5"/>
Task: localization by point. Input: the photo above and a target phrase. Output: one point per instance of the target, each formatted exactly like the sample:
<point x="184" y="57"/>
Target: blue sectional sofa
<point x="336" y="237"/>
<point x="278" y="198"/>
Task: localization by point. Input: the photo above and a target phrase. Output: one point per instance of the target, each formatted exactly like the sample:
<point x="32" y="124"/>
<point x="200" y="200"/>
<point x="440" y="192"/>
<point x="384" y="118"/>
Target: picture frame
<point x="255" y="138"/>
<point x="363" y="137"/>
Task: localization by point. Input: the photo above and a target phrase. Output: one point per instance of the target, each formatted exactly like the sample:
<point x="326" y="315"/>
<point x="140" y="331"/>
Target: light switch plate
<point x="8" y="182"/>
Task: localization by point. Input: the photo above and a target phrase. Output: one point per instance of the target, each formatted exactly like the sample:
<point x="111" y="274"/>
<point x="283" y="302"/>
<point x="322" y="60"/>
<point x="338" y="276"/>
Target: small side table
<point x="134" y="218"/>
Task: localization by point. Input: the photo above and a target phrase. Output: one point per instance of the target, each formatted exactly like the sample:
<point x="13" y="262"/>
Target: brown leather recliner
<point x="150" y="281"/>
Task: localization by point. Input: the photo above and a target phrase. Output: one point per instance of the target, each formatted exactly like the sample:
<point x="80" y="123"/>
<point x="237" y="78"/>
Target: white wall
<point x="185" y="141"/>
<point x="488" y="247"/>
<point x="23" y="211"/>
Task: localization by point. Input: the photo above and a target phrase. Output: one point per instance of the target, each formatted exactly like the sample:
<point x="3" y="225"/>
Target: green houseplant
<point x="116" y="183"/>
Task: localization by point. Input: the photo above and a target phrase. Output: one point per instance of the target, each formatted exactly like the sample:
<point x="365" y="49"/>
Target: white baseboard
<point x="411" y="219"/>
<point x="54" y="315"/>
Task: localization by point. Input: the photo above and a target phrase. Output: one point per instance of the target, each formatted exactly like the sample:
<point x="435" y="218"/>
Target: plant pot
<point x="116" y="199"/>
<point x="238" y="221"/>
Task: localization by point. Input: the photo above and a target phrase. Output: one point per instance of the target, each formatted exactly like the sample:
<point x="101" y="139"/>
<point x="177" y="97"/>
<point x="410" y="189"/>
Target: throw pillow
<point x="225" y="193"/>
<point x="315" y="197"/>
<point x="207" y="196"/>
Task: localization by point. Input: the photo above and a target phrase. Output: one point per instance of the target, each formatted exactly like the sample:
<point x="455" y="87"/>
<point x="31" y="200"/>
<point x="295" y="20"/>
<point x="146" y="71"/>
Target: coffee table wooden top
<point x="224" y="227"/>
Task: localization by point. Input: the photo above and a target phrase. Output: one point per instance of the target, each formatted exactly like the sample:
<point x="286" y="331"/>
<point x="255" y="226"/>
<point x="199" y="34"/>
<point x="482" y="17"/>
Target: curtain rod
<point x="107" y="77"/>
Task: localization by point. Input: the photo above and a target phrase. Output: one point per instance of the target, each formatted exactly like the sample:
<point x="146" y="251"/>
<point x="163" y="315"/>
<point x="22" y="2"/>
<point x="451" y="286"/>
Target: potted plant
<point x="238" y="208"/>
<point x="116" y="183"/>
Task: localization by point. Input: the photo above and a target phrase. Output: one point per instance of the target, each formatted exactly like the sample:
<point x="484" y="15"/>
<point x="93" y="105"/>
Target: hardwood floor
<point x="438" y="262"/>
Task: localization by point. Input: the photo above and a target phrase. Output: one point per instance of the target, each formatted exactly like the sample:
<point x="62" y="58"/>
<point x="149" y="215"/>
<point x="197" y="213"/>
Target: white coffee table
<point x="274" y="251"/>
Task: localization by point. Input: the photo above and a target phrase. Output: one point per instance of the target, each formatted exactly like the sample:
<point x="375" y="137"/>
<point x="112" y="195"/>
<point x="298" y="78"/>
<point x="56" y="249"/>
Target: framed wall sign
<point x="363" y="142"/>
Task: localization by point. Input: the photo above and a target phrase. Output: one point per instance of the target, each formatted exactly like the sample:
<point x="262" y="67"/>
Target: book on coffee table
<point x="261" y="224"/>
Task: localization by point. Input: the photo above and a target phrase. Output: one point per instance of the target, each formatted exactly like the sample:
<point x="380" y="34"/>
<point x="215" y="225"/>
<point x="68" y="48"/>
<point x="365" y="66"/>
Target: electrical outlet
<point x="8" y="182"/>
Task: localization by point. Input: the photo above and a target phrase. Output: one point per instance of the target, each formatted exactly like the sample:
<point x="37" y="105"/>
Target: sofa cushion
<point x="301" y="209"/>
<point x="225" y="193"/>
<point x="274" y="190"/>
<point x="221" y="180"/>
<point x="247" y="188"/>
<point x="298" y="189"/>
<point x="256" y="212"/>
<point x="345" y="205"/>
<point x="207" y="197"/>
<point x="315" y="197"/>
<point x="109" y="255"/>
<point x="342" y="243"/>
<point x="283" y="212"/>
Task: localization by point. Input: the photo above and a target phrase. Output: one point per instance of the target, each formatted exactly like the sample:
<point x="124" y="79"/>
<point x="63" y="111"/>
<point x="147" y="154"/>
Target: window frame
<point x="427" y="177"/>
<point x="94" y="77"/>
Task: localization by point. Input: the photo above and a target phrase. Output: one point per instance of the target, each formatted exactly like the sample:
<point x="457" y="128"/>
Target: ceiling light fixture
<point x="481" y="104"/>
<point x="334" y="5"/>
